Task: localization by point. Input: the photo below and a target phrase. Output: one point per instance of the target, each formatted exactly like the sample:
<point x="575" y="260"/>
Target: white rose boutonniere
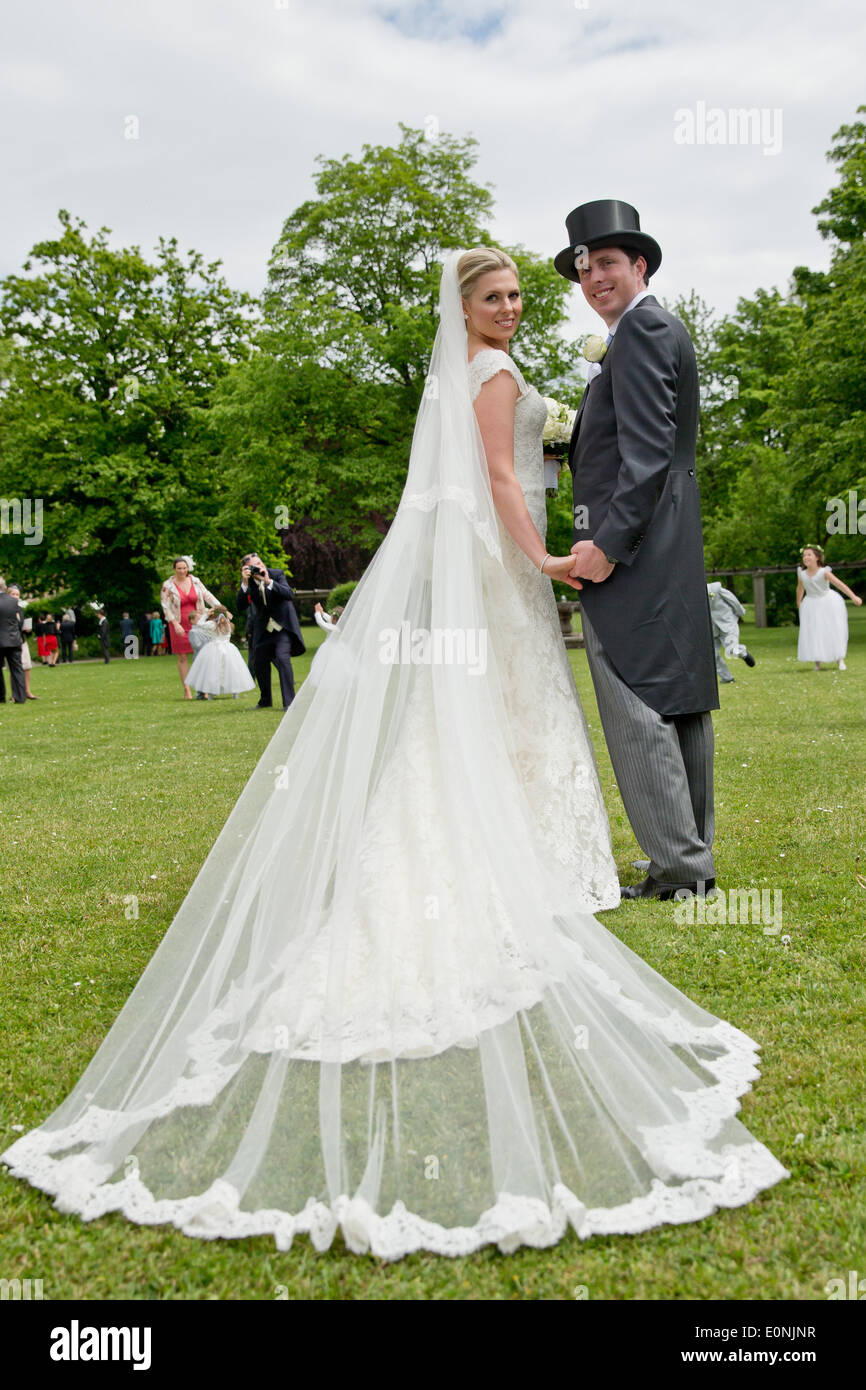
<point x="594" y="349"/>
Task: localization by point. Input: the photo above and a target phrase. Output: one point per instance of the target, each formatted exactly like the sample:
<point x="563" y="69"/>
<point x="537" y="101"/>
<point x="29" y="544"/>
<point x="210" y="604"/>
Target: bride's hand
<point x="559" y="567"/>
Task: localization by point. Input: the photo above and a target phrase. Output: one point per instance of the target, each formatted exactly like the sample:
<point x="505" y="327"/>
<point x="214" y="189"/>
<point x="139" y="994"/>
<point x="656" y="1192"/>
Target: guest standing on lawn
<point x="67" y="636"/>
<point x="11" y="638"/>
<point x="26" y="629"/>
<point x="104" y="635"/>
<point x="127" y="630"/>
<point x="145" y="641"/>
<point x="183" y="594"/>
<point x="157" y="634"/>
<point x="46" y="640"/>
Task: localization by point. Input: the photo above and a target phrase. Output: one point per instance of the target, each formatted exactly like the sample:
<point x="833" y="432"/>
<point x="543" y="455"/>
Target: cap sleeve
<point x="487" y="364"/>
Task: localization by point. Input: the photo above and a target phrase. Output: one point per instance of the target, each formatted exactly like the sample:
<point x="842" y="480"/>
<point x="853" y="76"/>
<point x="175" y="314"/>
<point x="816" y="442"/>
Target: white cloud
<point x="235" y="98"/>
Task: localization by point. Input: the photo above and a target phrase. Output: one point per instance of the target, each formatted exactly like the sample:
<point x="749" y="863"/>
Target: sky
<point x="230" y="102"/>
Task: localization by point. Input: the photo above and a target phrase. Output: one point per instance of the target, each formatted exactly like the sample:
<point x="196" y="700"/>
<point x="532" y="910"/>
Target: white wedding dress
<point x="385" y="1007"/>
<point x="823" y="619"/>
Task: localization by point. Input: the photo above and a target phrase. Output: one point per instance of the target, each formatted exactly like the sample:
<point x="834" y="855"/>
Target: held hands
<point x="559" y="567"/>
<point x="588" y="562"/>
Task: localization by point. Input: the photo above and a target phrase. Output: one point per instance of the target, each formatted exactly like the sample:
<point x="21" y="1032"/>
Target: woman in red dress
<point x="182" y="595"/>
<point x="46" y="640"/>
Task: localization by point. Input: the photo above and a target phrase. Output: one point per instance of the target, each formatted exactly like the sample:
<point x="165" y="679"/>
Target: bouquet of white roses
<point x="555" y="439"/>
<point x="558" y="426"/>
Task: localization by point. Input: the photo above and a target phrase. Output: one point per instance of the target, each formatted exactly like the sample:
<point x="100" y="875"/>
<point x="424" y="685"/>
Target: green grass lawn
<point x="113" y="788"/>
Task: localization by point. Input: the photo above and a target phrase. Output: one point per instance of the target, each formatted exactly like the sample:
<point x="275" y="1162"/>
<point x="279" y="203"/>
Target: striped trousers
<point x="663" y="766"/>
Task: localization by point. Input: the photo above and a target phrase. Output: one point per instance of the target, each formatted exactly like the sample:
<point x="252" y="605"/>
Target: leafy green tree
<point x="108" y="361"/>
<point x="844" y="207"/>
<point x="825" y="391"/>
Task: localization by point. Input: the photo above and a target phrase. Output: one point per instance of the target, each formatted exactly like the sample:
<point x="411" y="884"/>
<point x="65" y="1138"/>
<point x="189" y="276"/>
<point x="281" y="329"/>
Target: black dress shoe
<point x="262" y="705"/>
<point x="749" y="659"/>
<point x="650" y="887"/>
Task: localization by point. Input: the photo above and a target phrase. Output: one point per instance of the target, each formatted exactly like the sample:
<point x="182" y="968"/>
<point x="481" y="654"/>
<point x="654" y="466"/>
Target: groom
<point x="644" y="606"/>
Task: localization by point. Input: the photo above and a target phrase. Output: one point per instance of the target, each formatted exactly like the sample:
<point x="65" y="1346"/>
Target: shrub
<point x="341" y="594"/>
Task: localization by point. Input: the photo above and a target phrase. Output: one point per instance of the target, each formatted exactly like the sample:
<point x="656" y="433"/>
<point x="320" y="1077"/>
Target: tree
<point x="845" y="205"/>
<point x="825" y="391"/>
<point x="108" y="361"/>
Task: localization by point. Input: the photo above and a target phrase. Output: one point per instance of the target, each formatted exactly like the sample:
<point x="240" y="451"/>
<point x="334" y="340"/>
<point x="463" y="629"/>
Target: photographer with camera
<point x="276" y="632"/>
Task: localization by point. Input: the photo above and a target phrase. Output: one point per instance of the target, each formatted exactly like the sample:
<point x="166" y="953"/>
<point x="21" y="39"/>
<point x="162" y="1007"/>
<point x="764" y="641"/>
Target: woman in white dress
<point x="385" y="1006"/>
<point x="823" y="616"/>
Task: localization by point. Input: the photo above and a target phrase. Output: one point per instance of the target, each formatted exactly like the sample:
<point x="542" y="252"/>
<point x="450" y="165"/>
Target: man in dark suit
<point x="276" y="631"/>
<point x="104" y="635"/>
<point x="638" y="548"/>
<point x="11" y="637"/>
<point x="145" y="641"/>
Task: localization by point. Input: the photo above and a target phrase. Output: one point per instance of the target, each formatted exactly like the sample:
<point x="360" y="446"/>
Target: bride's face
<point x="494" y="307"/>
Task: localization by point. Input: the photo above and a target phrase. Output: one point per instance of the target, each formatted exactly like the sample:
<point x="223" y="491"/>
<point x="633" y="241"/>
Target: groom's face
<point x="610" y="282"/>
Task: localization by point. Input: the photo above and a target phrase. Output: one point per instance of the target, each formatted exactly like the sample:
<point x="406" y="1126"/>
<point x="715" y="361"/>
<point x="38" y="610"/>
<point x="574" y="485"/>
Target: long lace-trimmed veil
<point x="377" y="1008"/>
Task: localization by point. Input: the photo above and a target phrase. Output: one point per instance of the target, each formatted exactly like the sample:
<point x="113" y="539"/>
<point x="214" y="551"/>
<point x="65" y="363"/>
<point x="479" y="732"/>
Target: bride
<point x="385" y="1006"/>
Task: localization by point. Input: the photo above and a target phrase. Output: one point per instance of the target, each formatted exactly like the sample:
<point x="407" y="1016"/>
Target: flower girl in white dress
<point x="219" y="668"/>
<point x="823" y="617"/>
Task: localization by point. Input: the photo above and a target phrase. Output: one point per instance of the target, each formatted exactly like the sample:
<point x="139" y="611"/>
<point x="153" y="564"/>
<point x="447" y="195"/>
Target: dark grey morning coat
<point x="632" y="459"/>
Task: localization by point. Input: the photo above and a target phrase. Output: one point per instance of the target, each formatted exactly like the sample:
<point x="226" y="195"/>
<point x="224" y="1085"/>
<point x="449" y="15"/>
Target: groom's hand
<point x="589" y="562"/>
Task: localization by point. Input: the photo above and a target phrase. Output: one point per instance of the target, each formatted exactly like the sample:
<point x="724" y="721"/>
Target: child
<point x="332" y="666"/>
<point x="328" y="621"/>
<point x="157" y="634"/>
<point x="219" y="668"/>
<point x="823" y="616"/>
<point x="725" y="613"/>
<point x="200" y="633"/>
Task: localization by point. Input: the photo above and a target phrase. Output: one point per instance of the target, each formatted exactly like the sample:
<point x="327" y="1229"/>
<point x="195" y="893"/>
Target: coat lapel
<point x="650" y="299"/>
<point x="576" y="427"/>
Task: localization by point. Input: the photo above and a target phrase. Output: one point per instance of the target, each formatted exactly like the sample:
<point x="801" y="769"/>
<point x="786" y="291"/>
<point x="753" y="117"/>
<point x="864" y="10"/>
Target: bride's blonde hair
<point x="479" y="261"/>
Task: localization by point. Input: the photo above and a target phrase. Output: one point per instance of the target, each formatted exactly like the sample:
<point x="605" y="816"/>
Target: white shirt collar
<point x="637" y="299"/>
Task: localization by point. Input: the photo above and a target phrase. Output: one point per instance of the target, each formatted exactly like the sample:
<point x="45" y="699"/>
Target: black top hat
<point x="606" y="222"/>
